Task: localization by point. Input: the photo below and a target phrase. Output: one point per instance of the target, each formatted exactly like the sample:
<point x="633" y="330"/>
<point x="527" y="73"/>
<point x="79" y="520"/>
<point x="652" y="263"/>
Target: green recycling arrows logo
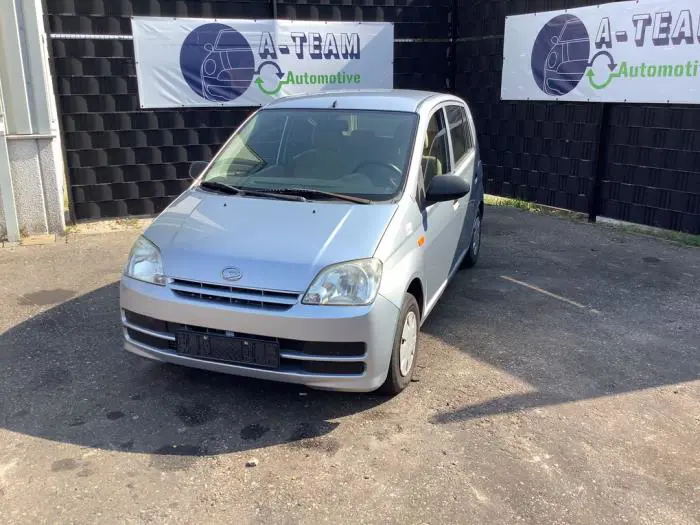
<point x="611" y="66"/>
<point x="279" y="74"/>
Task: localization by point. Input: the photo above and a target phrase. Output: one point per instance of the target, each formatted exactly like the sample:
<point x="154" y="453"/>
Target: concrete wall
<point x="3" y="228"/>
<point x="32" y="174"/>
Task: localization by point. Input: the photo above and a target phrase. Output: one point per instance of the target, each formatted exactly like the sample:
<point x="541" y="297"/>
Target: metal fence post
<point x="601" y="164"/>
<point x="454" y="35"/>
<point x="6" y="190"/>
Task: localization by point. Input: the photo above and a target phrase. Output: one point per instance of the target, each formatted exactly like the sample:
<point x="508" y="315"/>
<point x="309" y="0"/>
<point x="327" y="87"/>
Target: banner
<point x="637" y="51"/>
<point x="185" y="62"/>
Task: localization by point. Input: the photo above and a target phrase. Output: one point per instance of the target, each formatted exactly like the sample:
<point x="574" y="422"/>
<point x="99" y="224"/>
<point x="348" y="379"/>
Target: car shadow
<point x="637" y="328"/>
<point x="67" y="378"/>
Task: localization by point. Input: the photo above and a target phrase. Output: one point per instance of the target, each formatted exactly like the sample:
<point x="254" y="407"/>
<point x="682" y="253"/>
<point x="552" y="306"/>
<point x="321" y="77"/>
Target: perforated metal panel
<point x="126" y="161"/>
<point x="548" y="152"/>
<point x="653" y="174"/>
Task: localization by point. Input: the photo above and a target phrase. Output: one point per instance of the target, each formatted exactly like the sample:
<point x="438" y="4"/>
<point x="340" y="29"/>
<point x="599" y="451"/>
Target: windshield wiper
<point x="233" y="190"/>
<point x="320" y="193"/>
<point x="220" y="186"/>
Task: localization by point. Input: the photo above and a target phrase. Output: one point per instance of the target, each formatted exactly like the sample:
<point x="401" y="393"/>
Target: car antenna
<point x="335" y="103"/>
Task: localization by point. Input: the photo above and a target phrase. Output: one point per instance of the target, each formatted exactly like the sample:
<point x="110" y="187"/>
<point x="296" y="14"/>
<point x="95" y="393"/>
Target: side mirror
<point x="445" y="188"/>
<point x="196" y="168"/>
<point x="208" y="47"/>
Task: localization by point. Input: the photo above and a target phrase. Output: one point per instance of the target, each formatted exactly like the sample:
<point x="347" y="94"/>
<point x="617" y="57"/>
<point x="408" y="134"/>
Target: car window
<point x="574" y="31"/>
<point x="381" y="127"/>
<point x="229" y="40"/>
<point x="265" y="140"/>
<point x="457" y="120"/>
<point x="354" y="152"/>
<point x="435" y="157"/>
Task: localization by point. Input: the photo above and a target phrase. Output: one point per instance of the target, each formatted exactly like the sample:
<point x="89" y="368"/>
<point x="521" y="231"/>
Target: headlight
<point x="353" y="283"/>
<point x="145" y="263"/>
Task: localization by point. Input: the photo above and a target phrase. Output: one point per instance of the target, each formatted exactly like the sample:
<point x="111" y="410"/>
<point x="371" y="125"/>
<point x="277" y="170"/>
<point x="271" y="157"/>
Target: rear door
<point x="463" y="158"/>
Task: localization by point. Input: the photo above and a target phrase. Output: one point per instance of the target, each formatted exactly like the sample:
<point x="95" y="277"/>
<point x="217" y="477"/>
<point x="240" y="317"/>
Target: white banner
<point x="186" y="62"/>
<point x="637" y="51"/>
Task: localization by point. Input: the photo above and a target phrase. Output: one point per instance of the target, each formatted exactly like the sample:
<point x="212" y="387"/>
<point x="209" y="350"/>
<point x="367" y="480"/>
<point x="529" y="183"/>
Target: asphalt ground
<point x="558" y="382"/>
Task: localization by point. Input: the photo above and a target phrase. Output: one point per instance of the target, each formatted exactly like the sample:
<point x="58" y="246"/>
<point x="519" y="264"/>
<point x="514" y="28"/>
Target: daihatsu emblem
<point x="231" y="273"/>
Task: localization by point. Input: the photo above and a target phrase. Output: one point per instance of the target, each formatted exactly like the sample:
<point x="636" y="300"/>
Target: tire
<point x="472" y="256"/>
<point x="400" y="374"/>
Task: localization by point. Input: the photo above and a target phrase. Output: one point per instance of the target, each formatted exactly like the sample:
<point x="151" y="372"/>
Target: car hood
<point x="276" y="244"/>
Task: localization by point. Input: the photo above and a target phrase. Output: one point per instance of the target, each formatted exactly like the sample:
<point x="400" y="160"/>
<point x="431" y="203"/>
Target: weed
<point x="128" y="222"/>
<point x="492" y="200"/>
<point x="686" y="239"/>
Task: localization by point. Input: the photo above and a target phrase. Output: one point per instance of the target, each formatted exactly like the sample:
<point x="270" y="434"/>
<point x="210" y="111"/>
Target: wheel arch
<point x="415" y="288"/>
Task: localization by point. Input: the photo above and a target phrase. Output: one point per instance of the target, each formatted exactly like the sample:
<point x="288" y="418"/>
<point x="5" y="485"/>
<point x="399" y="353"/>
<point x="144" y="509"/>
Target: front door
<point x="442" y="221"/>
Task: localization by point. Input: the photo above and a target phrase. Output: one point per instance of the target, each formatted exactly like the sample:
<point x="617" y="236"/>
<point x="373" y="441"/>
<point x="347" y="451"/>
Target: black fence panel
<point x="123" y="160"/>
<point x="543" y="152"/>
<point x="653" y="171"/>
<point x="412" y="18"/>
<point x="549" y="152"/>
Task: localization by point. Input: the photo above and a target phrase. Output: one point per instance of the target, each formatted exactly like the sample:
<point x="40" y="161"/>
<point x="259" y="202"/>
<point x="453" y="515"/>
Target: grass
<point x="128" y="222"/>
<point x="493" y="200"/>
<point x="686" y="239"/>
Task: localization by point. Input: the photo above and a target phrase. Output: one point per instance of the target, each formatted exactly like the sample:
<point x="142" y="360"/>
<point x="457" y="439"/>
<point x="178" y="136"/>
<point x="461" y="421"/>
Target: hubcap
<point x="409" y="338"/>
<point x="476" y="236"/>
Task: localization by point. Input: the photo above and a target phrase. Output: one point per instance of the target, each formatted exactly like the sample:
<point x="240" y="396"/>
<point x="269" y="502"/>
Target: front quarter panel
<point x="164" y="228"/>
<point x="400" y="253"/>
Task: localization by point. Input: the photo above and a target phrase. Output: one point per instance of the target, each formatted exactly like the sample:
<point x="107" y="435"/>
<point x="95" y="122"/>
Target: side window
<point x="435" y="157"/>
<point x="460" y="132"/>
<point x="468" y="130"/>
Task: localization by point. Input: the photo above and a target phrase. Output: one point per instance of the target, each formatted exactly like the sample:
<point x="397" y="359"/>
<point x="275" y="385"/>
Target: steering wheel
<point x="395" y="181"/>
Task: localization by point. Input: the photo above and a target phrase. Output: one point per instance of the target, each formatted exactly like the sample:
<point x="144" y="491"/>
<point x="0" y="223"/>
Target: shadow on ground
<point x="638" y="327"/>
<point x="66" y="378"/>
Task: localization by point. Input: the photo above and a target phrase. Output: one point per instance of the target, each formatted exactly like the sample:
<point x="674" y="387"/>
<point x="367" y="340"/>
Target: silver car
<point x="315" y="244"/>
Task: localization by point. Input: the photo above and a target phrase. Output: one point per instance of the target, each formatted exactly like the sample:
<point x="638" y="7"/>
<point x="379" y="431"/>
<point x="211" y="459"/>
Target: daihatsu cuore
<point x="315" y="244"/>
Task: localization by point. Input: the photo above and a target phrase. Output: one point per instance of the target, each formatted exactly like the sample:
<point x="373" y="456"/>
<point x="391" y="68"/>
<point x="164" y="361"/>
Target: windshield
<point x="574" y="31"/>
<point x="350" y="152"/>
<point x="229" y="40"/>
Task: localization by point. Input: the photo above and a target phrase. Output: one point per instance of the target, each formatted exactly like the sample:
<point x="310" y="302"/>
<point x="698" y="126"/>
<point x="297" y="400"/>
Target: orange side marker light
<point x="421" y="240"/>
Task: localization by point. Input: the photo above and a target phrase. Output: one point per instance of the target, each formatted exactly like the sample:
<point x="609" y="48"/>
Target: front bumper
<point x="372" y="325"/>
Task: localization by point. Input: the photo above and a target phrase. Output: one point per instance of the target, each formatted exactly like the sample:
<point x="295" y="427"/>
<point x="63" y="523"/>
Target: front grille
<point x="296" y="355"/>
<point x="243" y="297"/>
<point x="329" y="367"/>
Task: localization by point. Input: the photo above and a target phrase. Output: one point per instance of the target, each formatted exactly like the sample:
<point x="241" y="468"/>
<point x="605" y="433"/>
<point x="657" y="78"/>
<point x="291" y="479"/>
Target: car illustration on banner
<point x="229" y="66"/>
<point x="217" y="62"/>
<point x="561" y="55"/>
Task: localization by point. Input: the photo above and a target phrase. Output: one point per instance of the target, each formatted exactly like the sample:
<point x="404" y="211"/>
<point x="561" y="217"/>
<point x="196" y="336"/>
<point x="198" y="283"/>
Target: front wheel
<point x="405" y="350"/>
<point x="475" y="246"/>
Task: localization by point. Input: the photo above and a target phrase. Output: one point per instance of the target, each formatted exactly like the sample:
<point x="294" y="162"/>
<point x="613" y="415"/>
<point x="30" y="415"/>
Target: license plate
<point x="238" y="350"/>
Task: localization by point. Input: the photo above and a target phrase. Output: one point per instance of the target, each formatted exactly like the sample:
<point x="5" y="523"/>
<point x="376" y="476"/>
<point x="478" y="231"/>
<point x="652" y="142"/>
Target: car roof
<point x="387" y="99"/>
